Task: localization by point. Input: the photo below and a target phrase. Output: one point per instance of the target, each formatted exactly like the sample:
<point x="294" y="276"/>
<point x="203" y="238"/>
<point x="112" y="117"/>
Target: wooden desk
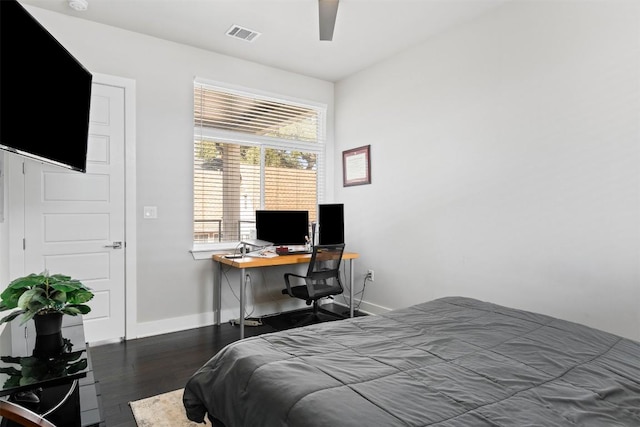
<point x="254" y="262"/>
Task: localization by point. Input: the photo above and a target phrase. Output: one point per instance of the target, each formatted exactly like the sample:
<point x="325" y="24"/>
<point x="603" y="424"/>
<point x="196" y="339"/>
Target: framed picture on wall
<point x="356" y="166"/>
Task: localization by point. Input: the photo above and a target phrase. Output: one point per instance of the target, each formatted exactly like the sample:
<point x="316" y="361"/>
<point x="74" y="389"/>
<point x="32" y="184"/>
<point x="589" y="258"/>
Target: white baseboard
<point x="175" y="324"/>
<point x="369" y="308"/>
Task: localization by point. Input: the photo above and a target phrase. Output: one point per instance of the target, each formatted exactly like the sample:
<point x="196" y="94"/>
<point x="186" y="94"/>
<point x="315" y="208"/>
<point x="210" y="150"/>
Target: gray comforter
<point x="449" y="362"/>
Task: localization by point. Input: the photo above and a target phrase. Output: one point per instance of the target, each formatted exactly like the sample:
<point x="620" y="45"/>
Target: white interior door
<point x="74" y="221"/>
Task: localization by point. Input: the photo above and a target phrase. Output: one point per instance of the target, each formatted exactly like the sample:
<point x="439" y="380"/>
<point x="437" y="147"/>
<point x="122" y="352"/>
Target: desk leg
<point x="217" y="288"/>
<point x="351" y="283"/>
<point x="242" y="297"/>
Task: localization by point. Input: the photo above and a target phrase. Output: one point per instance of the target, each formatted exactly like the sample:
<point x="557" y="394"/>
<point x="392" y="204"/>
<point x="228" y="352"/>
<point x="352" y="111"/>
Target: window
<point x="252" y="152"/>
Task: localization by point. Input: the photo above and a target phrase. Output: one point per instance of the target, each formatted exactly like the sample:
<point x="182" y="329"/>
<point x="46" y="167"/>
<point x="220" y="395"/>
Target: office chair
<point x="22" y="416"/>
<point x="322" y="280"/>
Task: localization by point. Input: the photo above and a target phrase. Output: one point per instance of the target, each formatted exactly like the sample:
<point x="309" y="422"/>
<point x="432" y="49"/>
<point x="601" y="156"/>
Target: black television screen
<point x="282" y="227"/>
<point x="45" y="93"/>
<point x="331" y="224"/>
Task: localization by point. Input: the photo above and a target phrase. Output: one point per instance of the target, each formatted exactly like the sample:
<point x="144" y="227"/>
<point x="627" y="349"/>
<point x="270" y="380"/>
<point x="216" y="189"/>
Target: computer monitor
<point x="282" y="227"/>
<point x="331" y="224"/>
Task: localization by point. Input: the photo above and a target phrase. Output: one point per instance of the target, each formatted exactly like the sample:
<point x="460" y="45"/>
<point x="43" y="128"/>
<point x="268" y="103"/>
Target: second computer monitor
<point x="282" y="227"/>
<point x="331" y="224"/>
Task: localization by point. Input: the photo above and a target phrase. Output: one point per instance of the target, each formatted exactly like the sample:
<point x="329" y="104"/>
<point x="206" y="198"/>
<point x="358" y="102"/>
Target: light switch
<point x="150" y="212"/>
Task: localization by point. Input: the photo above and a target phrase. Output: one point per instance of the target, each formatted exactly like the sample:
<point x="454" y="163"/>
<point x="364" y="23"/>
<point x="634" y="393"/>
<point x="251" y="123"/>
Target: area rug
<point x="163" y="410"/>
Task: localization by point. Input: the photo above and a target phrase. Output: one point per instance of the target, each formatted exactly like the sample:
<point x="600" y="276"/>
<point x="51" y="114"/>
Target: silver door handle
<point x="116" y="245"/>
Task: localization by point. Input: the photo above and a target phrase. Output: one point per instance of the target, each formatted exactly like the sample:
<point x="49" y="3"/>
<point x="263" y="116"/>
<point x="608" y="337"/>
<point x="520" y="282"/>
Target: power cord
<point x="247" y="280"/>
<point x="364" y="286"/>
<point x="360" y="293"/>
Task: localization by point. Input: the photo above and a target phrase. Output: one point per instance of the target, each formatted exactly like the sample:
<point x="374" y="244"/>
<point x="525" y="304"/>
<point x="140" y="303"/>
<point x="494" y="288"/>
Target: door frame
<point x="15" y="186"/>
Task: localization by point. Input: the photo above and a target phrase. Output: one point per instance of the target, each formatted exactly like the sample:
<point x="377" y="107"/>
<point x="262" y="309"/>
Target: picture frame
<point x="356" y="166"/>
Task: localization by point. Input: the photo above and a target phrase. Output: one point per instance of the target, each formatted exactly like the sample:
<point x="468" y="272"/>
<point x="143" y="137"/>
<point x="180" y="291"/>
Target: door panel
<point x="72" y="219"/>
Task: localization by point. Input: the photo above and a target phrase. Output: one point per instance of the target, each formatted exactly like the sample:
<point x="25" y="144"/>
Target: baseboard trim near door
<point x="199" y="320"/>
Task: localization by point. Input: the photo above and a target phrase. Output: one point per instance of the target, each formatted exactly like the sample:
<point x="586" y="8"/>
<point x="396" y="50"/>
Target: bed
<point x="453" y="361"/>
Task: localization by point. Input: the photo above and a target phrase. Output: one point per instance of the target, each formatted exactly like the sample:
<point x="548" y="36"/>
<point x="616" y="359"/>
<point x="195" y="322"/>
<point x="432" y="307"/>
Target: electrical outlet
<point x="370" y="275"/>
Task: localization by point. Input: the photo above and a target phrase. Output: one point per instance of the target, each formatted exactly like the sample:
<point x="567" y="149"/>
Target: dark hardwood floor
<point x="145" y="367"/>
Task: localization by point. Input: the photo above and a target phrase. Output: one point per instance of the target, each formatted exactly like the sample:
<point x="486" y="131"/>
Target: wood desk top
<point x="252" y="262"/>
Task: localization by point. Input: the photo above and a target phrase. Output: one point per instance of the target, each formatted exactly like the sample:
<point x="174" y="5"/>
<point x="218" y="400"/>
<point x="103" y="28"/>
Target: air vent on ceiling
<point x="242" y="33"/>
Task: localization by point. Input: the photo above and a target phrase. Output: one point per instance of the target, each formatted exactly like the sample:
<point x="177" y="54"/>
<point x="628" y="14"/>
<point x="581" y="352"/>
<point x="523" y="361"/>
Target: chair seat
<point x="321" y="291"/>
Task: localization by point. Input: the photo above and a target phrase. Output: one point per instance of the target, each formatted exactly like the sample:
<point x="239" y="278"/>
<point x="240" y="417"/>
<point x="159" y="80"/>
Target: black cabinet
<point x="60" y="385"/>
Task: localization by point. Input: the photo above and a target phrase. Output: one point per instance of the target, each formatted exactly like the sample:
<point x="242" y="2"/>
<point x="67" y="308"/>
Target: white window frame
<point x="204" y="250"/>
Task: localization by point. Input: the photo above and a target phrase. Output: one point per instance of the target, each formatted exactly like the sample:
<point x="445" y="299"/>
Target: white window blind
<point x="252" y="152"/>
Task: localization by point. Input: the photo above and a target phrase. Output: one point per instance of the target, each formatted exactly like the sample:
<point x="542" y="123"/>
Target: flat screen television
<point x="331" y="224"/>
<point x="282" y="227"/>
<point x="45" y="93"/>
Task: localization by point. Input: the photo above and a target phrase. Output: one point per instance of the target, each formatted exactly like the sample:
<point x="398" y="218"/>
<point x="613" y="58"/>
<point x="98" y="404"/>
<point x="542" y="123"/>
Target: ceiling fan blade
<point x="328" y="11"/>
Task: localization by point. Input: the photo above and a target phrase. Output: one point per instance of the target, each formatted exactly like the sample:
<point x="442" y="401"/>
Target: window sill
<point x="206" y="251"/>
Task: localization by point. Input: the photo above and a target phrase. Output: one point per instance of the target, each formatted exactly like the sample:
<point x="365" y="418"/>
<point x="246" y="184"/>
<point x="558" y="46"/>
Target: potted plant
<point x="45" y="298"/>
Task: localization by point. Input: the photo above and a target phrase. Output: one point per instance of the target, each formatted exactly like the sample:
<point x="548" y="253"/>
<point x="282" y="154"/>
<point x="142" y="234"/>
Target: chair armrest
<point x="22" y="415"/>
<point x="286" y="281"/>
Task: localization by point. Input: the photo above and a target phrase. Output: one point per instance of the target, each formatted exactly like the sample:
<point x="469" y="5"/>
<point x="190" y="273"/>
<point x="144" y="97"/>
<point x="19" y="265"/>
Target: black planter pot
<point x="48" y="323"/>
<point x="49" y="341"/>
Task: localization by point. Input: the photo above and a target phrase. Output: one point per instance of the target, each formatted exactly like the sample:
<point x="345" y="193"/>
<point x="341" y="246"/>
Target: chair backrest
<point x="22" y="416"/>
<point x="324" y="267"/>
<point x="325" y="258"/>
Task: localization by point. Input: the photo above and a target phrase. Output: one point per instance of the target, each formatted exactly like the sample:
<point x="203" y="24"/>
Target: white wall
<point x="174" y="291"/>
<point x="505" y="164"/>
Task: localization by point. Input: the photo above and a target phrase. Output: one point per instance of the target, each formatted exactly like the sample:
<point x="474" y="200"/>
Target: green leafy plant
<point x="43" y="293"/>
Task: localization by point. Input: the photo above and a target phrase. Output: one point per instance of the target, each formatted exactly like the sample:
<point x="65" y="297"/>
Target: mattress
<point x="453" y="361"/>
